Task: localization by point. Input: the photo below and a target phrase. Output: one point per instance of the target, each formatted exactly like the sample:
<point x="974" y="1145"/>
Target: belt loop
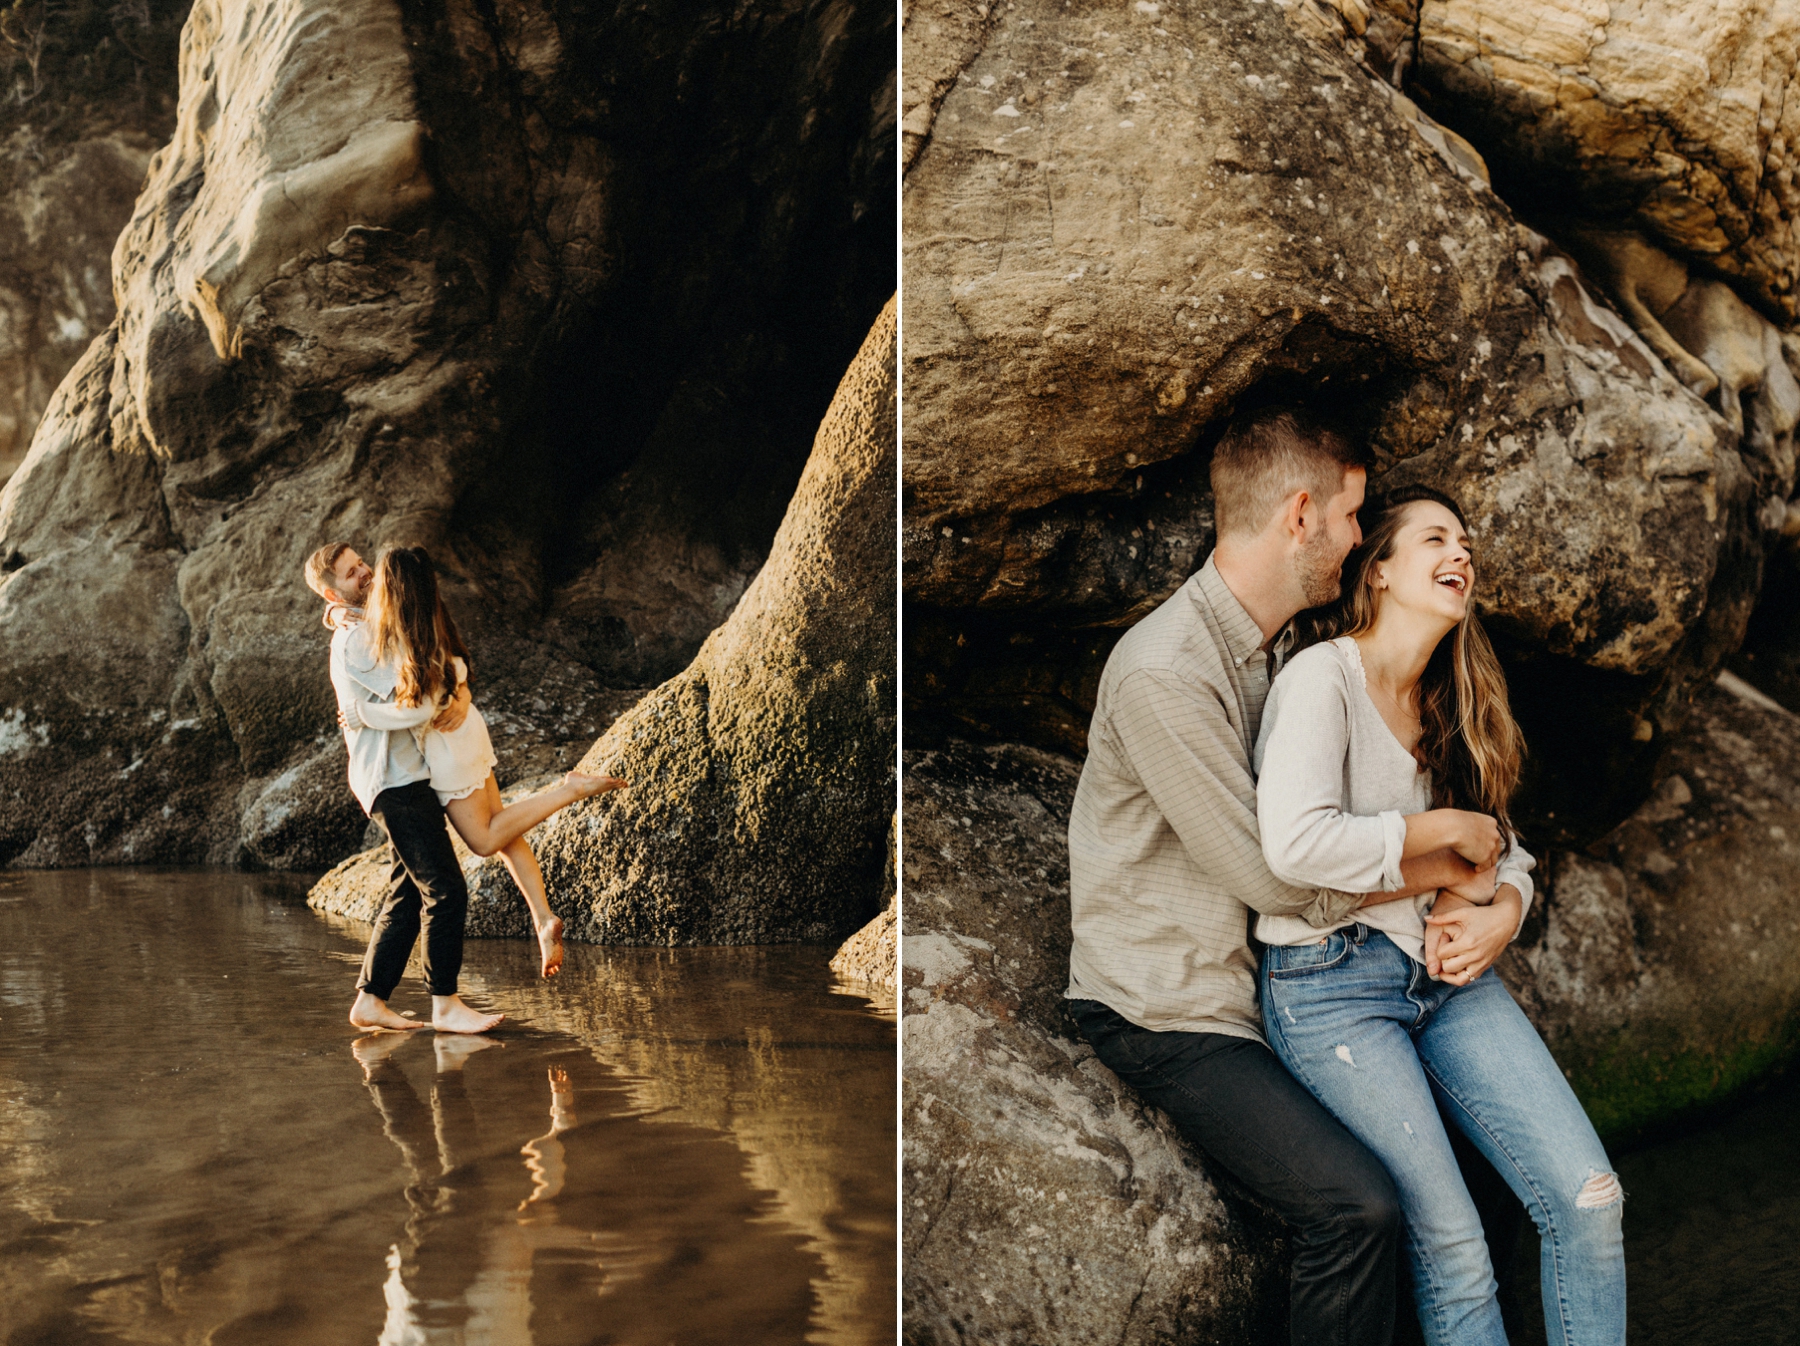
<point x="1362" y="932"/>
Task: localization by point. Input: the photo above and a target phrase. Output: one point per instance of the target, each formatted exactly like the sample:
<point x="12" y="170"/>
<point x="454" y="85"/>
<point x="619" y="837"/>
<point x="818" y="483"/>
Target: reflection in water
<point x="544" y="1156"/>
<point x="463" y="1271"/>
<point x="689" y="1050"/>
<point x="694" y="1146"/>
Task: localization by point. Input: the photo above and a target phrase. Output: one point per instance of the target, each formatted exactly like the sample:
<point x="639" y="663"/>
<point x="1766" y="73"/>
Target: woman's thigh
<point x="471" y="814"/>
<point x="1342" y="1029"/>
<point x="1506" y="1092"/>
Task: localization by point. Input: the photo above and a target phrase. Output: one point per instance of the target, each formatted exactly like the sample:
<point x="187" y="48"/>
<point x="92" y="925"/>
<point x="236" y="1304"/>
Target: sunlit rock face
<point x="55" y="273"/>
<point x="558" y="291"/>
<point x="89" y="96"/>
<point x="1673" y="117"/>
<point x="1652" y="140"/>
<point x="1123" y="226"/>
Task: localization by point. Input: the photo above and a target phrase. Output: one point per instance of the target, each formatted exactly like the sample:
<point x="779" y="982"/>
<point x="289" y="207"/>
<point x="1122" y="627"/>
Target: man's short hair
<point x="1267" y="455"/>
<point x="320" y="577"/>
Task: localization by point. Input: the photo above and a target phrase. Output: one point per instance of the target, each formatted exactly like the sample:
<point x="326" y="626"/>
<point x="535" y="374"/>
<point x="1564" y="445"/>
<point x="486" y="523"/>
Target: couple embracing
<point x="420" y="751"/>
<point x="1313" y="735"/>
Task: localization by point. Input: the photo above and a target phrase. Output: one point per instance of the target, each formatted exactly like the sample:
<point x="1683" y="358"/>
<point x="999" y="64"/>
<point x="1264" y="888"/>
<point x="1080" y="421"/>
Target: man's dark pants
<point x="425" y="887"/>
<point x="1234" y="1100"/>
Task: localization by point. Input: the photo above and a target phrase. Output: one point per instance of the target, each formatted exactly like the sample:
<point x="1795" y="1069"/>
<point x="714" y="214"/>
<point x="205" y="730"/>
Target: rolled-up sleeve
<point x="1307" y="837"/>
<point x="1516" y="869"/>
<point x="1179" y="739"/>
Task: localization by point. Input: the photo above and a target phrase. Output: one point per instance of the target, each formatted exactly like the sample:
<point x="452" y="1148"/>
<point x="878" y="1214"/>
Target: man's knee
<point x="445" y="894"/>
<point x="1378" y="1214"/>
<point x="1369" y="1208"/>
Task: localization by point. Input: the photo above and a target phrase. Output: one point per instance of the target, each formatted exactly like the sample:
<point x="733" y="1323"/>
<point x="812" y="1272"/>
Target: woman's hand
<point x="1443" y="925"/>
<point x="1463" y="940"/>
<point x="1474" y="836"/>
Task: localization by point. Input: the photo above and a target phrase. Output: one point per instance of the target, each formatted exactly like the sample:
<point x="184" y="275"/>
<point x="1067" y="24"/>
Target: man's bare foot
<point x="373" y="1016"/>
<point x="450" y="1015"/>
<point x="550" y="945"/>
<point x="376" y="1048"/>
<point x="452" y="1051"/>
<point x="586" y="786"/>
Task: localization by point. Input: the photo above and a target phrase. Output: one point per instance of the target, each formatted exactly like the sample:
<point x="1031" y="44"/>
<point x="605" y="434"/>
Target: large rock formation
<point x="90" y="94"/>
<point x="1123" y="225"/>
<point x="1041" y="1201"/>
<point x="1121" y="228"/>
<point x="1658" y="115"/>
<point x="1655" y="143"/>
<point x="1659" y="968"/>
<point x="762" y="776"/>
<point x="559" y="291"/>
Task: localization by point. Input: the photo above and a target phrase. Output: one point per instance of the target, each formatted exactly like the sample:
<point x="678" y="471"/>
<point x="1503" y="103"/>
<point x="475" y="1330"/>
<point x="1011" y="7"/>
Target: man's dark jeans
<point x="425" y="886"/>
<point x="1235" y="1101"/>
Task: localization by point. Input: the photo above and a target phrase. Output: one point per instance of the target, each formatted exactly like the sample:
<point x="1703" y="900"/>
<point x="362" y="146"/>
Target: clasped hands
<point x="1474" y="918"/>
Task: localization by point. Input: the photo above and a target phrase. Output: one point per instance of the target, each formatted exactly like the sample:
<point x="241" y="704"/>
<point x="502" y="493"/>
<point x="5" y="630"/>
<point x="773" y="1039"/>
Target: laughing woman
<point x="1390" y="737"/>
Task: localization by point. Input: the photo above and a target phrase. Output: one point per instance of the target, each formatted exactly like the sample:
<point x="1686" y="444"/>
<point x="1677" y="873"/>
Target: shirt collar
<point x="1243" y="637"/>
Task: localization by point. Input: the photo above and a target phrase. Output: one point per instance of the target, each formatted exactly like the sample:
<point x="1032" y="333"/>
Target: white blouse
<point x="459" y="761"/>
<point x="1333" y="790"/>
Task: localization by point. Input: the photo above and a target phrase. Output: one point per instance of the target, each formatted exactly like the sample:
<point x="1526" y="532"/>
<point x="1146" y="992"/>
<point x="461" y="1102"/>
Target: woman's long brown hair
<point x="407" y="619"/>
<point x="1468" y="739"/>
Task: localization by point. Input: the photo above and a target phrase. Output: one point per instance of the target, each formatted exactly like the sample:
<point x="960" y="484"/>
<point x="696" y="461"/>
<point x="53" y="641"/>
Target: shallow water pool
<point x="691" y="1145"/>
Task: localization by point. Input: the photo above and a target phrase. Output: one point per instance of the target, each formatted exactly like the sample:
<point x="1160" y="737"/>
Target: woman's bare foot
<point x="562" y="1100"/>
<point x="586" y="786"/>
<point x="373" y="1016"/>
<point x="450" y="1015"/>
<point x="549" y="936"/>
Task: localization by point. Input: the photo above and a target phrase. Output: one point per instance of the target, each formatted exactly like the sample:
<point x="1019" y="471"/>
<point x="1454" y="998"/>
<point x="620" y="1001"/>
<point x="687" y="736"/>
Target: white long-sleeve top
<point x="1333" y="790"/>
<point x="459" y="761"/>
<point x="379" y="760"/>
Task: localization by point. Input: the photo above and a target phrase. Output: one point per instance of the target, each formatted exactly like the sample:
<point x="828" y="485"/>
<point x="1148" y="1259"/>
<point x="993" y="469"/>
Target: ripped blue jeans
<point x="1381" y="1045"/>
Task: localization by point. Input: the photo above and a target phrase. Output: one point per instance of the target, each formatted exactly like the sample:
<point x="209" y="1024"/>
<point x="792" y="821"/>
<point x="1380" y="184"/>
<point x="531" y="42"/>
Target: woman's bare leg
<point x="523" y="866"/>
<point x="488" y="828"/>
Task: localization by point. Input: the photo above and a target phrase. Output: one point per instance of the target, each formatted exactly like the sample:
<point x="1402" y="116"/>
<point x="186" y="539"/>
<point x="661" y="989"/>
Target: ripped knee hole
<point x="1600" y="1190"/>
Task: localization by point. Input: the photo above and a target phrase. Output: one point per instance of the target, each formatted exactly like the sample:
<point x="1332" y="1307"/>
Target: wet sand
<point x="662" y="1146"/>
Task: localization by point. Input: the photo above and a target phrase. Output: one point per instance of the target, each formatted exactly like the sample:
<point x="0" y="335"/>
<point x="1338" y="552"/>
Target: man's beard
<point x="1320" y="575"/>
